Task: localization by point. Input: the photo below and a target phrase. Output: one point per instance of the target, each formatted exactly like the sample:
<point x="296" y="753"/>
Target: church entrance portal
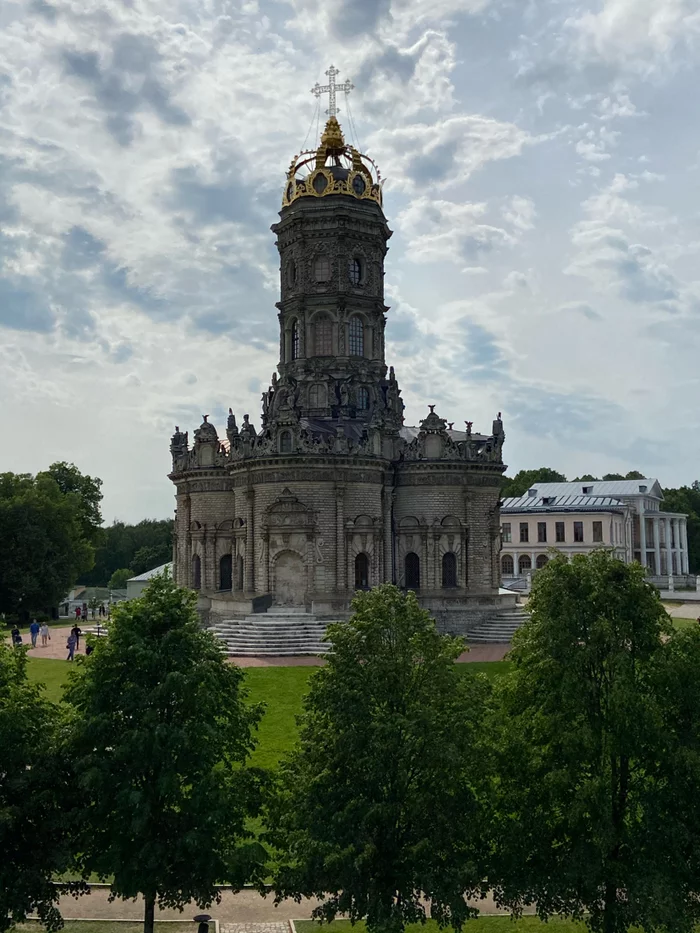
<point x="290" y="577"/>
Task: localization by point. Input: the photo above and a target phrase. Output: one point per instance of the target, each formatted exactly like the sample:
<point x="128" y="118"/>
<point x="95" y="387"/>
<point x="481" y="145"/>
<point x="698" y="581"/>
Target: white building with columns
<point x="625" y="515"/>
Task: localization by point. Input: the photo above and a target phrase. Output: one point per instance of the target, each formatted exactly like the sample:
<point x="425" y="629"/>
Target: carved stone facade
<point x="333" y="493"/>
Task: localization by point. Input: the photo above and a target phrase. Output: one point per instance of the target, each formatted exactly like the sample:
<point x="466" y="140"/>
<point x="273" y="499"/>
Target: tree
<point x="586" y="478"/>
<point x="580" y="737"/>
<point x="119" y="579"/>
<point x="634" y="474"/>
<point x="34" y="792"/>
<point x="383" y="802"/>
<point x="519" y="484"/>
<point x="159" y="737"/>
<point x="43" y="548"/>
<point x="144" y="546"/>
<point x="70" y="480"/>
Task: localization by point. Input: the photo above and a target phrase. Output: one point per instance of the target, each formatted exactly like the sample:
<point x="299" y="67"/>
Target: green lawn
<point x="491" y="924"/>
<point x="281" y="689"/>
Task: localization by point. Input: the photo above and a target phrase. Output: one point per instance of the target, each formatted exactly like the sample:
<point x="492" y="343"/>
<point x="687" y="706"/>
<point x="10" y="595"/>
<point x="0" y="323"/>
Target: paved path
<point x="247" y="907"/>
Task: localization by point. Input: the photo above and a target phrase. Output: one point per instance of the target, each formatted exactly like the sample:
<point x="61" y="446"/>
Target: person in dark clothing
<point x="77" y="631"/>
<point x="16" y="637"/>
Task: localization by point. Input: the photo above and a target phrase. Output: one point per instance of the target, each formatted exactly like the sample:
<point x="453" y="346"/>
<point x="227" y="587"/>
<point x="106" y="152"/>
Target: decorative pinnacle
<point x="331" y="88"/>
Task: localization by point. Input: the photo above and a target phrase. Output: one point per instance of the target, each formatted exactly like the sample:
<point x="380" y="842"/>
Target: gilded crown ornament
<point x="334" y="167"/>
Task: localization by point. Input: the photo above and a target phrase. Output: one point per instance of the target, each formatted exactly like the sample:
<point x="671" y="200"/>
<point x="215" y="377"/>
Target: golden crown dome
<point x="333" y="168"/>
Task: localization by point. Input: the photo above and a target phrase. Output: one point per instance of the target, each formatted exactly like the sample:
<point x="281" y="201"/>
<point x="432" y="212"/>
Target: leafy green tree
<point x="519" y="484"/>
<point x="580" y="738"/>
<point x="634" y="474"/>
<point x="70" y="480"/>
<point x="383" y="802"/>
<point x="34" y="797"/>
<point x="150" y="540"/>
<point x="151" y="556"/>
<point x="613" y="476"/>
<point x="43" y="548"/>
<point x="119" y="579"/>
<point x="586" y="478"/>
<point x="159" y="737"/>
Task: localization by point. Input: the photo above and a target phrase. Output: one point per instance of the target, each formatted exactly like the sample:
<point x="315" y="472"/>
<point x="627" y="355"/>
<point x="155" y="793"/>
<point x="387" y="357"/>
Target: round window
<point x="320" y="183"/>
<point x="359" y="185"/>
<point x="355" y="271"/>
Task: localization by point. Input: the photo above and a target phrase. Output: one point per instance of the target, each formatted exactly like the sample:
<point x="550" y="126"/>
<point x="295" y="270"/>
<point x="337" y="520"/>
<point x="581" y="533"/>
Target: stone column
<point x="250" y="543"/>
<point x="388" y="570"/>
<point x="425" y="575"/>
<point x="642" y="535"/>
<point x="657" y="546"/>
<point x="676" y="544"/>
<point x="684" y="542"/>
<point x="516" y="558"/>
<point x="265" y="549"/>
<point x="340" y="581"/>
<point x="669" y="561"/>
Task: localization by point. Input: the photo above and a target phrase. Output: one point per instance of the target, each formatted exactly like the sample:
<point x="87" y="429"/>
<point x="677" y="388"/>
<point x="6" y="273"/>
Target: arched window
<point x="363" y="399"/>
<point x="225" y="572"/>
<point x="196" y="572"/>
<point x="356" y="337"/>
<point x="524" y="564"/>
<point x="355" y="270"/>
<point x="322" y="269"/>
<point x="412" y="567"/>
<point x="239" y="573"/>
<point x="542" y="561"/>
<point x="286" y="442"/>
<point x="323" y="342"/>
<point x="317" y="396"/>
<point x="296" y="340"/>
<point x="361" y="572"/>
<point x="507" y="565"/>
<point x="449" y="570"/>
<point x="291" y="273"/>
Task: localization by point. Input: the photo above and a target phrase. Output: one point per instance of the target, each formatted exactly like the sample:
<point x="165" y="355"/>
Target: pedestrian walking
<point x="76" y="631"/>
<point x="83" y="612"/>
<point x="77" y="612"/>
<point x="70" y="645"/>
<point x="34" y="631"/>
<point x="16" y="637"/>
<point x="45" y="634"/>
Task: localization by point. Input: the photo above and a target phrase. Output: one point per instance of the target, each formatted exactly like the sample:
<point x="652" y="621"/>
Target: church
<point x="330" y="492"/>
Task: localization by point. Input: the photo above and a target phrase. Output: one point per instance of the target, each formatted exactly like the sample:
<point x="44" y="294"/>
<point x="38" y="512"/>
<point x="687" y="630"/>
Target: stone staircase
<point x="279" y="632"/>
<point x="499" y="628"/>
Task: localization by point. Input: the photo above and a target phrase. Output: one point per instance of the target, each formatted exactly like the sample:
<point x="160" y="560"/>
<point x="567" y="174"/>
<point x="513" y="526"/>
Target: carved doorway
<point x="225" y="572"/>
<point x="361" y="572"/>
<point x="412" y="568"/>
<point x="290" y="580"/>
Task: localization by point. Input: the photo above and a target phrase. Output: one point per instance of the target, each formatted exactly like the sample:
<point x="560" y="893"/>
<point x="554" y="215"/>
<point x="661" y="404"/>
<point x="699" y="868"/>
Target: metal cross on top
<point x="331" y="89"/>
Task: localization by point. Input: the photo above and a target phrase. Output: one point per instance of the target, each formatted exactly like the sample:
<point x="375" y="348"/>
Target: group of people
<point x="36" y="629"/>
<point x="81" y="612"/>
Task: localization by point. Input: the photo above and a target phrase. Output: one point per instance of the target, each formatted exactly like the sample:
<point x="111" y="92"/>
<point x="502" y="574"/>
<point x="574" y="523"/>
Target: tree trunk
<point x="149" y="913"/>
<point x="609" y="918"/>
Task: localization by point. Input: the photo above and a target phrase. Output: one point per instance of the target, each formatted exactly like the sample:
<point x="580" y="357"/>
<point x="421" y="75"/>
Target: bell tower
<point x="332" y="239"/>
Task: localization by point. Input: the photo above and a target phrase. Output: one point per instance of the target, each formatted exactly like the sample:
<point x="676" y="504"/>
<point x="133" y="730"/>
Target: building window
<point x="322" y="269"/>
<point x="505" y="532"/>
<point x="524" y="532"/>
<point x="196" y="572"/>
<point x="363" y="399"/>
<point x="507" y="566"/>
<point x="597" y="532"/>
<point x="356" y="337"/>
<point x="412" y="569"/>
<point x="541" y="561"/>
<point x="542" y="532"/>
<point x="578" y="532"/>
<point x="587" y="490"/>
<point x="286" y="442"/>
<point x="355" y="270"/>
<point x="524" y="564"/>
<point x="361" y="572"/>
<point x="560" y="534"/>
<point x="225" y="572"/>
<point x="296" y="340"/>
<point x="317" y="396"/>
<point x="449" y="570"/>
<point x="323" y="328"/>
<point x="291" y="273"/>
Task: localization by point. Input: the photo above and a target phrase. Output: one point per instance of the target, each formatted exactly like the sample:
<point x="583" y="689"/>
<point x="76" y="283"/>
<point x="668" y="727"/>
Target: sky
<point x="541" y="164"/>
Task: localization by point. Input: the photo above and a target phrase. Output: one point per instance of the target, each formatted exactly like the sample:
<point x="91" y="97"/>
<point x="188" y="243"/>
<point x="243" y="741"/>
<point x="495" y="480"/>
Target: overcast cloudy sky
<point x="542" y="165"/>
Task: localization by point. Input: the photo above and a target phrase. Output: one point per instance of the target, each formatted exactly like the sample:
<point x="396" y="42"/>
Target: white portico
<point x="631" y="521"/>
